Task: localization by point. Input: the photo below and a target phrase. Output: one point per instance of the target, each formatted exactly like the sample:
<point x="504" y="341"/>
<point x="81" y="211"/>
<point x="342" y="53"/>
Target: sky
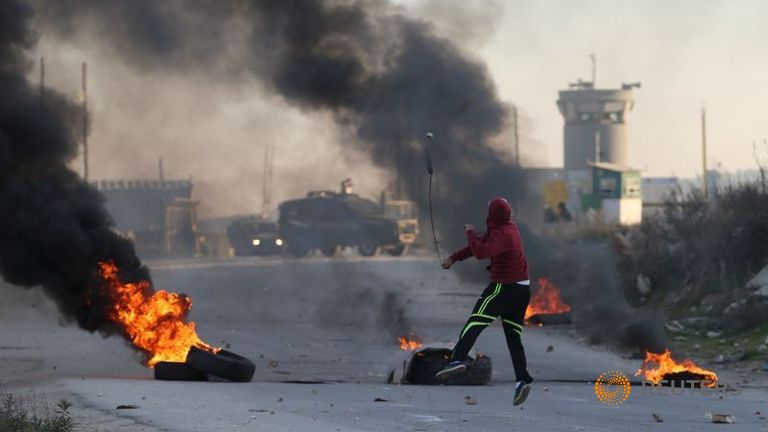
<point x="687" y="55"/>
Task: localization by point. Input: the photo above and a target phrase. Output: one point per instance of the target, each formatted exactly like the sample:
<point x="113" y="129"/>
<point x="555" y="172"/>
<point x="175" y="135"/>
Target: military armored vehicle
<point x="329" y="221"/>
<point x="253" y="235"/>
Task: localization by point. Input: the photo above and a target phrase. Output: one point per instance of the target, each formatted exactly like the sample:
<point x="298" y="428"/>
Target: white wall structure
<point x="625" y="211"/>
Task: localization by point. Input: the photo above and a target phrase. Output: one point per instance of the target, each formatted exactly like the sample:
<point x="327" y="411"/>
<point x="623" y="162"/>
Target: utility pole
<point x="160" y="172"/>
<point x="266" y="193"/>
<point x="704" y="150"/>
<point x="597" y="147"/>
<point x="42" y="81"/>
<point x="85" y="121"/>
<point x="594" y="69"/>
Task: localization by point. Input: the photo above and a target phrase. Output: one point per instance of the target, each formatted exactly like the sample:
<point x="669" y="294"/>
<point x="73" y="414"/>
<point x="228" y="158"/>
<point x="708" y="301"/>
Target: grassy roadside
<point x="30" y="414"/>
<point x="742" y="346"/>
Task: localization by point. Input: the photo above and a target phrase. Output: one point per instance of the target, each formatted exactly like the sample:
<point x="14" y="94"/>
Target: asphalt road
<point x="323" y="335"/>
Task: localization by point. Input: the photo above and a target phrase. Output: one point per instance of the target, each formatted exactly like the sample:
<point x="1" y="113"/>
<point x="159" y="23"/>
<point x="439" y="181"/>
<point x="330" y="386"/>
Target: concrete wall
<point x="627" y="211"/>
<point x="579" y="144"/>
<point x="588" y="112"/>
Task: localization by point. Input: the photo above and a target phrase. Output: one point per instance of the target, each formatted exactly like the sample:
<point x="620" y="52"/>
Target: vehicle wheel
<point x="398" y="250"/>
<point x="174" y="371"/>
<point x="329" y="250"/>
<point x="367" y="248"/>
<point x="224" y="364"/>
<point x="240" y="251"/>
<point x="298" y="250"/>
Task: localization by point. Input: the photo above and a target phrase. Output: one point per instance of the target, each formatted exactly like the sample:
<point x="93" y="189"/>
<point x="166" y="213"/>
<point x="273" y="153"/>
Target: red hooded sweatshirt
<point x="501" y="243"/>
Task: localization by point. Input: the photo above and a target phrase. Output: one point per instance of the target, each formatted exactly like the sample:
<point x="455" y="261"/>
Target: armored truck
<point x="329" y="221"/>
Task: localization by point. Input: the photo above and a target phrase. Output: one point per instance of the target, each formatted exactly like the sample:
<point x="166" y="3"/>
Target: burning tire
<point x="427" y="362"/>
<point x="224" y="364"/>
<point x="172" y="371"/>
<point x="550" y="319"/>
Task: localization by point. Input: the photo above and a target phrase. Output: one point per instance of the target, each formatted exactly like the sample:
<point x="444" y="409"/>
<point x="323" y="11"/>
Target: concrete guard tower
<point x="595" y="124"/>
<point x="595" y="134"/>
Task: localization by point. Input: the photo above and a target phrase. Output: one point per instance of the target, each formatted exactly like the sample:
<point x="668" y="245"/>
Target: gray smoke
<point x="588" y="280"/>
<point x="386" y="78"/>
<point x="357" y="300"/>
<point x="53" y="225"/>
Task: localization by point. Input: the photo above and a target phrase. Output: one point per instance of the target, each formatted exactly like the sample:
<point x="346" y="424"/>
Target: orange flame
<point x="409" y="344"/>
<point x="155" y="321"/>
<point x="546" y="300"/>
<point x="666" y="365"/>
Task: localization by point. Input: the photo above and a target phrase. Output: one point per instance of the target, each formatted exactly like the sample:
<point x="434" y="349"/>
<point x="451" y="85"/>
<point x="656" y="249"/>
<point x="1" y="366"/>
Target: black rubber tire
<point x="224" y="364"/>
<point x="398" y="250"/>
<point x="367" y="248"/>
<point x="427" y="362"/>
<point x="479" y="373"/>
<point x="174" y="371"/>
<point x="329" y="250"/>
<point x="550" y="319"/>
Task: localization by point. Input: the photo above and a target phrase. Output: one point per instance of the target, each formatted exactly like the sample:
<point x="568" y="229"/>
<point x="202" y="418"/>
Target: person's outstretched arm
<point x="459" y="255"/>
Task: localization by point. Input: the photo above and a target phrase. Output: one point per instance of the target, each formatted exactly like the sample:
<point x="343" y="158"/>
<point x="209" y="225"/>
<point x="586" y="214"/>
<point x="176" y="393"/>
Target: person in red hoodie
<point x="506" y="297"/>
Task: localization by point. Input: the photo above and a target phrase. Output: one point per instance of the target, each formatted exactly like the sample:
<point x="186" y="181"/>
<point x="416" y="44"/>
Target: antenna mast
<point x="704" y="150"/>
<point x="266" y="193"/>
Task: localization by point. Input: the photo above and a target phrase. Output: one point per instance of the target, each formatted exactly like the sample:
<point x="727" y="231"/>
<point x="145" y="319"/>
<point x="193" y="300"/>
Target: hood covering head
<point x="499" y="213"/>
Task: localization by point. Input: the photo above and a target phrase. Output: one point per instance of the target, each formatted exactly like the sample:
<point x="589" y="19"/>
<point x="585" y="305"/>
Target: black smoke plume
<point x="385" y="78"/>
<point x="53" y="225"/>
<point x="392" y="89"/>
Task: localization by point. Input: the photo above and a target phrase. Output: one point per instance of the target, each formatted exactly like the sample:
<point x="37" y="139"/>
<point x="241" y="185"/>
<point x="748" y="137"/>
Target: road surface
<point x="322" y="333"/>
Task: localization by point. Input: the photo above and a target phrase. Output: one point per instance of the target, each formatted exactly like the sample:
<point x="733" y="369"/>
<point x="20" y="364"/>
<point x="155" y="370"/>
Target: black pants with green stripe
<point x="505" y="301"/>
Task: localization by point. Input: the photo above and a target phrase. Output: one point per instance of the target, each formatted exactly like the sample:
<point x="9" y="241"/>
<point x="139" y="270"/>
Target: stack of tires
<point x="203" y="365"/>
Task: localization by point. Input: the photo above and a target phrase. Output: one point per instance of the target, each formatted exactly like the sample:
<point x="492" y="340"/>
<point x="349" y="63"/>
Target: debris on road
<point x="720" y="418"/>
<point x="657" y="418"/>
<point x="550" y="348"/>
<point x="381" y="400"/>
<point x="127" y="407"/>
<point x="469" y="400"/>
<point x="674" y="326"/>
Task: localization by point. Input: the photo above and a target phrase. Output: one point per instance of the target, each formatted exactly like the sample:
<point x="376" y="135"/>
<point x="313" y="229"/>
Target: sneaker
<point x="522" y="389"/>
<point x="452" y="369"/>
